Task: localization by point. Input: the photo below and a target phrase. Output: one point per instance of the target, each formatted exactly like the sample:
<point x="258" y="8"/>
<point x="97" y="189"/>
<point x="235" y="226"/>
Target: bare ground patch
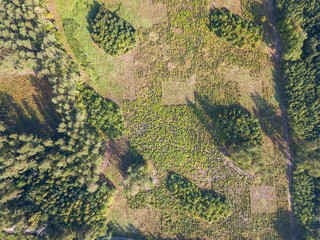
<point x="177" y="93"/>
<point x="263" y="199"/>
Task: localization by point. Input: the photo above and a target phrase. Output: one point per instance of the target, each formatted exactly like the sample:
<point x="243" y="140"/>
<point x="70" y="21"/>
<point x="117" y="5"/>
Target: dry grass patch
<point x="233" y="5"/>
<point x="134" y="221"/>
<point x="177" y="93"/>
<point x="263" y="199"/>
<point x="140" y="13"/>
<point x="26" y="102"/>
<point x="250" y="83"/>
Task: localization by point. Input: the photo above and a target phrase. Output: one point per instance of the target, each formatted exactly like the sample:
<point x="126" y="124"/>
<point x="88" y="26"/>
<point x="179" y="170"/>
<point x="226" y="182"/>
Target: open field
<point x="180" y="48"/>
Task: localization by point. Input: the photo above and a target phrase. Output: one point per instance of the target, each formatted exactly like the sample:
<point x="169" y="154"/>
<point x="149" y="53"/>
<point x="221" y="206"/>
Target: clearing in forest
<point x="174" y="44"/>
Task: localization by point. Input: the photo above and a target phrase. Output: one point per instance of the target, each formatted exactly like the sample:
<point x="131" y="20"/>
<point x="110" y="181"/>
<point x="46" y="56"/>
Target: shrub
<point x="112" y="33"/>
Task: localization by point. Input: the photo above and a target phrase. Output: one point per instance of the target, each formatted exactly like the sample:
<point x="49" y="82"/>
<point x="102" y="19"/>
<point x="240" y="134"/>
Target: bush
<point x="112" y="33"/>
<point x="237" y="126"/>
<point x="234" y="29"/>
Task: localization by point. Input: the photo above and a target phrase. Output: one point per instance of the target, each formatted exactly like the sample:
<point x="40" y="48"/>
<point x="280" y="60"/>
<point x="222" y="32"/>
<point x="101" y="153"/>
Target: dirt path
<point x="279" y="79"/>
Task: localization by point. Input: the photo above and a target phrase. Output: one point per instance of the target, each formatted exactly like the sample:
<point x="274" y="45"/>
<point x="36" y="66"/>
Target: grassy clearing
<point x="107" y="74"/>
<point x="26" y="104"/>
<point x="181" y="138"/>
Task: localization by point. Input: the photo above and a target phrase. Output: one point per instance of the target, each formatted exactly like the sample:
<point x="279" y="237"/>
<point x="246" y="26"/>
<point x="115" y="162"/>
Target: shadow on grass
<point x="282" y="224"/>
<point x="130" y="232"/>
<point x="270" y="121"/>
<point x="119" y="152"/>
<point x="23" y="118"/>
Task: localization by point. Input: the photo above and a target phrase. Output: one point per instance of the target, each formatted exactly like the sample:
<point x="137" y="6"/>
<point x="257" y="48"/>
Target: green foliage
<point x="297" y="20"/>
<point x="239" y="32"/>
<point x="54" y="181"/>
<point x="303" y="194"/>
<point x="302" y="98"/>
<point x="300" y="28"/>
<point x="70" y="26"/>
<point x="237" y="126"/>
<point x="202" y="204"/>
<point x="102" y="114"/>
<point x="292" y="38"/>
<point x="112" y="33"/>
<point x="308" y="155"/>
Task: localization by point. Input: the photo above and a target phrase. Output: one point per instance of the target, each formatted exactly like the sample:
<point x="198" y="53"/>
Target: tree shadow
<point x="119" y="152"/>
<point x="23" y="118"/>
<point x="270" y="121"/>
<point x="129" y="232"/>
<point x="93" y="9"/>
<point x="282" y="224"/>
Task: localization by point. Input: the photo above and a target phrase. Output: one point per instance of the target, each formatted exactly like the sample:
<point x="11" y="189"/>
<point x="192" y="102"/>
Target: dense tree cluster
<point x="302" y="75"/>
<point x="234" y="29"/>
<point x="103" y="115"/>
<point x="202" y="204"/>
<point x="237" y="126"/>
<point x="303" y="194"/>
<point x="300" y="33"/>
<point x="111" y="32"/>
<point x="53" y="183"/>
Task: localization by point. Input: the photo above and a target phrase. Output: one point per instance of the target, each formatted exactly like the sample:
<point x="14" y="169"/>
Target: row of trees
<point x="53" y="182"/>
<point x="234" y="29"/>
<point x="299" y="29"/>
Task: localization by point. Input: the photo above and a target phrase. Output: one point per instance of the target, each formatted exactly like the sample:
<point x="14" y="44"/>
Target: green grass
<point x="98" y="65"/>
<point x="104" y="74"/>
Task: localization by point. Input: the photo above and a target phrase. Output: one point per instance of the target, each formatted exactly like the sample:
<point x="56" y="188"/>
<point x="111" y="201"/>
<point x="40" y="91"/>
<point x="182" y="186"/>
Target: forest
<point x="299" y="30"/>
<point x="157" y="119"/>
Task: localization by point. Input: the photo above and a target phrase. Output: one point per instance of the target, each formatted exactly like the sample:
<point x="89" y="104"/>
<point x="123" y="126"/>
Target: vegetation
<point x="56" y="184"/>
<point x="112" y="33"/>
<point x="53" y="182"/>
<point x="234" y="29"/>
<point x="203" y="204"/>
<point x="304" y="200"/>
<point x="292" y="38"/>
<point x="237" y="126"/>
<point x="103" y="115"/>
<point x="299" y="31"/>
